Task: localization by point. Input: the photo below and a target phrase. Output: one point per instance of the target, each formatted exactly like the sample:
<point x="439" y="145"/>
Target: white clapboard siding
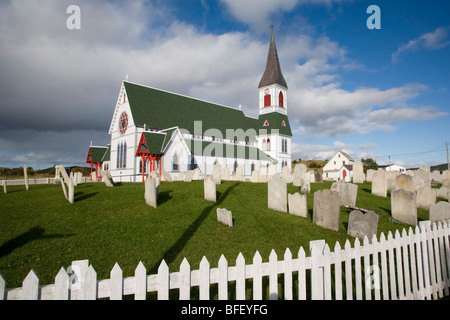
<point x="413" y="265"/>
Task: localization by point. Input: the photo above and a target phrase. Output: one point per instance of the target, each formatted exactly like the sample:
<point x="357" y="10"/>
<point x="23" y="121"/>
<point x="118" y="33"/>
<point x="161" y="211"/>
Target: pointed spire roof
<point x="272" y="74"/>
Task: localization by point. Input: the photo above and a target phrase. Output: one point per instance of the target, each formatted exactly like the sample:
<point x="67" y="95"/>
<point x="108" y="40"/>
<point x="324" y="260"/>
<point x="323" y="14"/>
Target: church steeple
<point x="272" y="74"/>
<point x="272" y="87"/>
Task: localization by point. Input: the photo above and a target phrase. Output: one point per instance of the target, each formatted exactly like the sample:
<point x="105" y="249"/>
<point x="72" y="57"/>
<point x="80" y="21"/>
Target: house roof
<point x="158" y="109"/>
<point x="272" y="74"/>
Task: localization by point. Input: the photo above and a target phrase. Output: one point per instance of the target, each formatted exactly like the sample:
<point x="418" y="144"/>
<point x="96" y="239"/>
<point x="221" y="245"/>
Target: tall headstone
<point x="297" y="205"/>
<point x="71" y="187"/>
<point x="255" y="176"/>
<point x="404" y="181"/>
<point x="277" y="193"/>
<point x="151" y="192"/>
<point x="440" y="211"/>
<point x="217" y="173"/>
<point x="446" y="179"/>
<point x="305" y="185"/>
<point x="369" y="176"/>
<point x="225" y="216"/>
<point x="5" y="190"/>
<point x="239" y="174"/>
<point x="165" y="176"/>
<point x="379" y="183"/>
<point x="358" y="172"/>
<point x="209" y="188"/>
<point x="299" y="171"/>
<point x="424" y="174"/>
<point x="326" y="212"/>
<point x="25" y="175"/>
<point x="403" y="206"/>
<point x="362" y="224"/>
<point x="426" y="196"/>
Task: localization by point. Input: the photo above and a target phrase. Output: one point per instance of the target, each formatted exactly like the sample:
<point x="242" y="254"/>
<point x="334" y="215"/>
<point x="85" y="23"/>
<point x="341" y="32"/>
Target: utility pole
<point x="448" y="163"/>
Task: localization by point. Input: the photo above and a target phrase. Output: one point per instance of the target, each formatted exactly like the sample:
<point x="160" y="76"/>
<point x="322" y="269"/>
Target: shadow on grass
<point x="170" y="255"/>
<point x="35" y="233"/>
<point x="80" y="196"/>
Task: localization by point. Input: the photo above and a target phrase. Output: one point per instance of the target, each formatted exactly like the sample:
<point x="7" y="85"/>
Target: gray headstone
<point x="379" y="183"/>
<point x="446" y="179"/>
<point x="362" y="224"/>
<point x="440" y="211"/>
<point x="425" y="197"/>
<point x="403" y="206"/>
<point x="326" y="211"/>
<point x="225" y="216"/>
<point x="348" y="193"/>
<point x="255" y="176"/>
<point x="277" y="193"/>
<point x="209" y="187"/>
<point x="25" y="175"/>
<point x="318" y="177"/>
<point x="151" y="192"/>
<point x="297" y="205"/>
<point x="239" y="174"/>
<point x="225" y="174"/>
<point x="299" y="171"/>
<point x="71" y="188"/>
<point x="424" y="174"/>
<point x="369" y="176"/>
<point x="442" y="192"/>
<point x="305" y="185"/>
<point x="196" y="175"/>
<point x="165" y="176"/>
<point x="358" y="172"/>
<point x="405" y="182"/>
<point x="188" y="176"/>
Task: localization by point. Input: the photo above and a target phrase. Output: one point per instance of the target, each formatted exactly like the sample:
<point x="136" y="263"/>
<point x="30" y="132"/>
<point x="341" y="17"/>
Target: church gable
<point x="122" y="116"/>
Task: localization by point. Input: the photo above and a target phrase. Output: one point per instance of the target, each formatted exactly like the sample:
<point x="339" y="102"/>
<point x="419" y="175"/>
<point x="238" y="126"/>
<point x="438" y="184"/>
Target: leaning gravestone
<point x="362" y="224"/>
<point x="107" y="179"/>
<point x="426" y="196"/>
<point x="165" y="176"/>
<point x="71" y="191"/>
<point x="297" y="205"/>
<point x="358" y="172"/>
<point x="379" y="183"/>
<point x="277" y="193"/>
<point x="209" y="188"/>
<point x="225" y="216"/>
<point x="403" y="206"/>
<point x="326" y="209"/>
<point x="348" y="193"/>
<point x="440" y="211"/>
<point x="151" y="192"/>
<point x="404" y="181"/>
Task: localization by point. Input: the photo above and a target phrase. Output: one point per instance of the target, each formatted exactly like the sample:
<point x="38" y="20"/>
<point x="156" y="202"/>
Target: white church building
<point x="152" y="129"/>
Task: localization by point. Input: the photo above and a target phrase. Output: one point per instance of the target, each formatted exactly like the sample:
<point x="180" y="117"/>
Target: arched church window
<point x="281" y="100"/>
<point x="268" y="144"/>
<point x="140" y="166"/>
<point x="175" y="164"/>
<point x="264" y="145"/>
<point x="235" y="165"/>
<point x="124" y="161"/>
<point x="267" y="100"/>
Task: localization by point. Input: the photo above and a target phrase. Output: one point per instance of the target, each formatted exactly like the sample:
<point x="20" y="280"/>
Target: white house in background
<point x="393" y="167"/>
<point x="340" y="166"/>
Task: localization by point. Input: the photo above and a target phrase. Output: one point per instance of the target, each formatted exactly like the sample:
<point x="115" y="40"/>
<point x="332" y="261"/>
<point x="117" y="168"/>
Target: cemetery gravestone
<point x="71" y="188"/>
<point x="239" y="174"/>
<point x="151" y="192"/>
<point x="297" y="205"/>
<point x="255" y="176"/>
<point x="361" y="225"/>
<point x="348" y="193"/>
<point x="425" y="197"/>
<point x="326" y="209"/>
<point x="299" y="172"/>
<point x="442" y="192"/>
<point x="209" y="188"/>
<point x="379" y="184"/>
<point x="188" y="176"/>
<point x="446" y="179"/>
<point x="25" y="174"/>
<point x="225" y="174"/>
<point x="403" y="206"/>
<point x="225" y="216"/>
<point x="107" y="179"/>
<point x="217" y="173"/>
<point x="358" y="172"/>
<point x="440" y="211"/>
<point x="277" y="193"/>
<point x="404" y="181"/>
<point x="318" y="176"/>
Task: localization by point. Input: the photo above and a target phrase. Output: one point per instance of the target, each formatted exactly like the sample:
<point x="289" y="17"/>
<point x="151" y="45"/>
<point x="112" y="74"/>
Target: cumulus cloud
<point x="434" y="40"/>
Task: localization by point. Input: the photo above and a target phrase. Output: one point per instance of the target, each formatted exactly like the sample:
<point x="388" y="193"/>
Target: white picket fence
<point x="407" y="265"/>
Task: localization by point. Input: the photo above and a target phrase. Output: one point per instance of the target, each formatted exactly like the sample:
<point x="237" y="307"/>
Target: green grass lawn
<point x="40" y="230"/>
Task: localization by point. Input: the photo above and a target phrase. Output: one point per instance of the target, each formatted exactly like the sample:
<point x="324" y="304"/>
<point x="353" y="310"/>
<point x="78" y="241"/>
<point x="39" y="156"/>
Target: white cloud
<point x="432" y="41"/>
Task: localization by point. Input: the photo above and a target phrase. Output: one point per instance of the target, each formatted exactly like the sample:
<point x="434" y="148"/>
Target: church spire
<point x="272" y="74"/>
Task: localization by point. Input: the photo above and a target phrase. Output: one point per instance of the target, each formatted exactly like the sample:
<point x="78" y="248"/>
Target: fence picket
<point x="415" y="264"/>
<point x="163" y="281"/>
<point x="140" y="276"/>
<point x="61" y="285"/>
<point x="116" y="282"/>
<point x="185" y="280"/>
<point x="204" y="279"/>
<point x="30" y="287"/>
<point x="273" y="275"/>
<point x="288" y="275"/>
<point x="338" y="271"/>
<point x="240" y="277"/>
<point x="223" y="278"/>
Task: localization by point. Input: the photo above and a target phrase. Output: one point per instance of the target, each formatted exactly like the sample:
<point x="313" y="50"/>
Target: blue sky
<point x="372" y="93"/>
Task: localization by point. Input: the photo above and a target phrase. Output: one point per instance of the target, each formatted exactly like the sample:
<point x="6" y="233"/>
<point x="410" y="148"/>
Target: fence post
<point x="317" y="278"/>
<point x="2" y="288"/>
<point x="30" y="287"/>
<point x="223" y="278"/>
<point x="61" y="285"/>
<point x="140" y="276"/>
